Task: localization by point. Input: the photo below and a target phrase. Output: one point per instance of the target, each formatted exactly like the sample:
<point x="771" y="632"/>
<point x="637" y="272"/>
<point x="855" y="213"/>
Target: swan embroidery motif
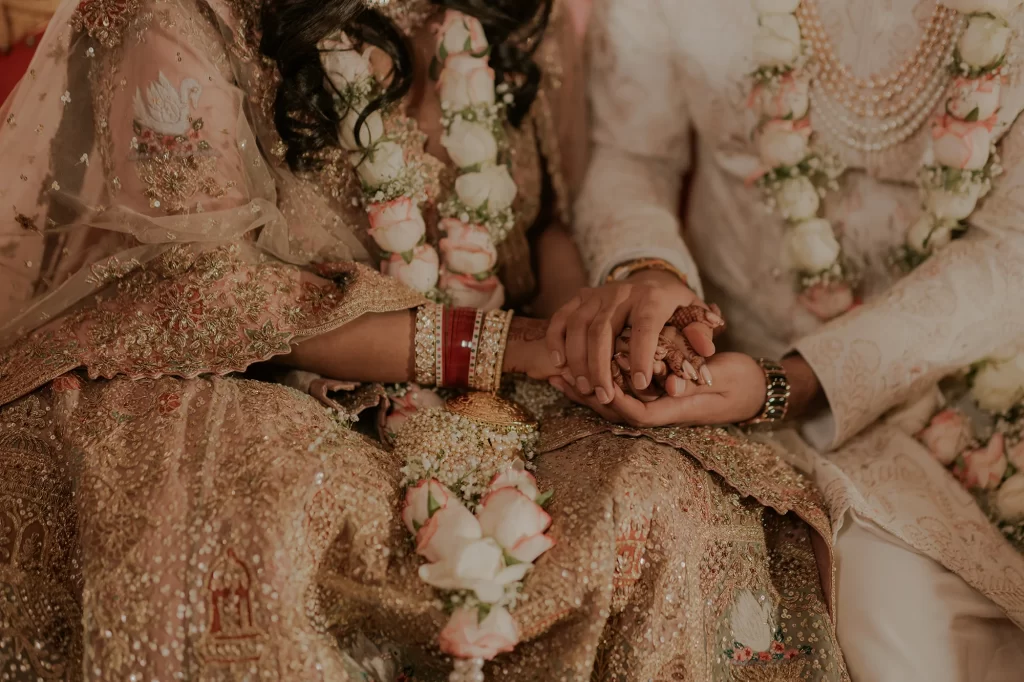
<point x="167" y="110"/>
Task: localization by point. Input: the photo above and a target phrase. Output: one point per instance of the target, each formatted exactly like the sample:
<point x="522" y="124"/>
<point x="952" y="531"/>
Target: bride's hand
<point x="582" y="334"/>
<point x="525" y="351"/>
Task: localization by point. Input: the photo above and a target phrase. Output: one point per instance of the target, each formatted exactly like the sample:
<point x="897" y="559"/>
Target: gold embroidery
<point x="105" y="20"/>
<point x="173" y="159"/>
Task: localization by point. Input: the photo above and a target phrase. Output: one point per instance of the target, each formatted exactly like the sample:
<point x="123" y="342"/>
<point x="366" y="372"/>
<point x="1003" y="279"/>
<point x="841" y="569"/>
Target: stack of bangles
<point x="461" y="347"/>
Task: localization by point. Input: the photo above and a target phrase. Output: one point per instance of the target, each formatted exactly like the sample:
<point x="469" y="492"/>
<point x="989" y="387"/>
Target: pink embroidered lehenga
<point x="163" y="515"/>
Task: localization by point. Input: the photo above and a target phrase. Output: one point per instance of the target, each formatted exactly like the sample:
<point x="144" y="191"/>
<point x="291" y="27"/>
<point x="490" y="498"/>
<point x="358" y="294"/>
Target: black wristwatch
<point x="777" y="390"/>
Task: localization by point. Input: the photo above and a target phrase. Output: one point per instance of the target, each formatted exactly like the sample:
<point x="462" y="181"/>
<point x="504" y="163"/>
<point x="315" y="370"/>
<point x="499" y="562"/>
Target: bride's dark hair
<point x="304" y="112"/>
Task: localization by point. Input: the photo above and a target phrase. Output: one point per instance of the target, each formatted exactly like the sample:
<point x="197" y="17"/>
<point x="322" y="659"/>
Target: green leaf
<point x="407" y="256"/>
<point x="432" y="505"/>
<point x="416" y="525"/>
<point x="973" y="116"/>
<point x="544" y="498"/>
<point x="483" y="611"/>
<point x="511" y="560"/>
<point x="442" y="53"/>
<point x="435" y="68"/>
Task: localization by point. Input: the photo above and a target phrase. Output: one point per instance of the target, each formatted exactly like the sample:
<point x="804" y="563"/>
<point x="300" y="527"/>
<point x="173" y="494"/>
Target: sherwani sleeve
<point x="960" y="306"/>
<point x="629" y="205"/>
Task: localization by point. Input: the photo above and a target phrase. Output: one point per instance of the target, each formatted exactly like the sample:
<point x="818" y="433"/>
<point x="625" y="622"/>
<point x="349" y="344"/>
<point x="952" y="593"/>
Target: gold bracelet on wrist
<point x="485" y="373"/>
<point x="626" y="270"/>
<point x="427" y="344"/>
<point x="777" y="392"/>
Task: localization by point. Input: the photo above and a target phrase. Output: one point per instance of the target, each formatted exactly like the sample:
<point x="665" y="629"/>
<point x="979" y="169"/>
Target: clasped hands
<point x="642" y="352"/>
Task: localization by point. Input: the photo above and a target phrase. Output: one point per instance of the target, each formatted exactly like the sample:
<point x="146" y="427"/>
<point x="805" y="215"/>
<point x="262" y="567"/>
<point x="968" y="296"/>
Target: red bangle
<point x="460" y="325"/>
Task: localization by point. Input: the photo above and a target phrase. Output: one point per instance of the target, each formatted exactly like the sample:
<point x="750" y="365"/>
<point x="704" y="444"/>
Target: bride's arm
<point x="379" y="348"/>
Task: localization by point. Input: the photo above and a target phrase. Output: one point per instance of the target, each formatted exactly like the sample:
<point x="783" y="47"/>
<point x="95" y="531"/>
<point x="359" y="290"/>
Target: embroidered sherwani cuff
<point x="960" y="306"/>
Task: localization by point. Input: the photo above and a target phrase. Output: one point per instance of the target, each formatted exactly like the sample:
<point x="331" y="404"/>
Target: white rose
<point x="466" y="636"/>
<point x="811" y="246"/>
<point x="1002" y="8"/>
<point x="789" y="97"/>
<point x="999" y="385"/>
<point x="465" y="81"/>
<point x="797" y="199"/>
<point x="516" y="477"/>
<point x="468" y="249"/>
<point x="421" y="273"/>
<point x="775" y="6"/>
<point x="984" y="41"/>
<point x="380" y="165"/>
<point x="466" y="291"/>
<point x="977" y="98"/>
<point x="462" y="33"/>
<point x="343" y="65"/>
<point x="777" y="42"/>
<point x="783" y="143"/>
<point x="446" y="531"/>
<point x="928" y="234"/>
<point x="371" y="130"/>
<point x="947" y="435"/>
<point x="1010" y="499"/>
<point x="423" y="500"/>
<point x="492" y="187"/>
<point x="516" y="522"/>
<point x="961" y="144"/>
<point x="397" y="226"/>
<point x="470" y="144"/>
<point x="952" y="205"/>
<point x="477" y="565"/>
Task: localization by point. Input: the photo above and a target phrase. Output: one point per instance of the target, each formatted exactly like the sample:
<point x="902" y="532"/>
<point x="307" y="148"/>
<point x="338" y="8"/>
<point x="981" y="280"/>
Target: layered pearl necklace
<point x="961" y="59"/>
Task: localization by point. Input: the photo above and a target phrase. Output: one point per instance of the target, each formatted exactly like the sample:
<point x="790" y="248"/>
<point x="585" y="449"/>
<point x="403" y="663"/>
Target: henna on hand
<point x="527" y="329"/>
<point x="684" y="316"/>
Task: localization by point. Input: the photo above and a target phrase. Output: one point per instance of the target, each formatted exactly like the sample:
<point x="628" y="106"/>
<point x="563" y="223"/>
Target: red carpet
<point x="14" y="64"/>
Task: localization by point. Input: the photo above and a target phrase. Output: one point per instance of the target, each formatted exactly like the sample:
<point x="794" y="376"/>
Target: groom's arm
<point x="629" y="205"/>
<point x="962" y="305"/>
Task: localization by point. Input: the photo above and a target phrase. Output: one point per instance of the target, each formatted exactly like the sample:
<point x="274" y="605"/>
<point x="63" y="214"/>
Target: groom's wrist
<point x="805" y="389"/>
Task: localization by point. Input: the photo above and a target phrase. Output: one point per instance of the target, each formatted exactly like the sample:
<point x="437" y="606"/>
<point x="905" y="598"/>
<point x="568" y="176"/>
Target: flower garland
<point x="477" y="518"/>
<point x="797" y="178"/>
<point x="479" y="215"/>
<point x="471" y="505"/>
<point x="980" y="439"/>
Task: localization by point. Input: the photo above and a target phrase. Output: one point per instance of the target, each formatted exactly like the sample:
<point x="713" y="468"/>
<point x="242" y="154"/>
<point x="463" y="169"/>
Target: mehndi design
<point x="674" y="354"/>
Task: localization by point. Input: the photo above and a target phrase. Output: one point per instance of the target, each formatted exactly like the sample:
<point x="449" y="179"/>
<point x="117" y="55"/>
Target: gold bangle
<point x="485" y="374"/>
<point x="626" y="270"/>
<point x="499" y="363"/>
<point x="426" y="344"/>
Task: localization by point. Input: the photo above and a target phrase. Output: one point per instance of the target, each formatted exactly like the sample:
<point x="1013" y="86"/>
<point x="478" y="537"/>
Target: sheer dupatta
<point x="146" y="231"/>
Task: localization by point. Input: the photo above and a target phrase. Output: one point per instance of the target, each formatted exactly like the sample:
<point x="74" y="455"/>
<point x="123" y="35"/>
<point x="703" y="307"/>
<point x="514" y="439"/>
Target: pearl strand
<point x="894" y="131"/>
<point x="839" y="79"/>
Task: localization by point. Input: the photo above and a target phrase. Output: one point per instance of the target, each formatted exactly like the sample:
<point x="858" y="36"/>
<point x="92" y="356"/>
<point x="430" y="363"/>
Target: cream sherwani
<point x="928" y="589"/>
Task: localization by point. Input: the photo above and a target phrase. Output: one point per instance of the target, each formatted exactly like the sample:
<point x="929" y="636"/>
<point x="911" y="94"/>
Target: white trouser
<point x="902" y="617"/>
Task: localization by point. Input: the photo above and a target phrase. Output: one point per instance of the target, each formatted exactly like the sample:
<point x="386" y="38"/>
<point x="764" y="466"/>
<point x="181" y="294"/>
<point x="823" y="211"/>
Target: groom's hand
<point x="737" y="394"/>
<point x="582" y="333"/>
